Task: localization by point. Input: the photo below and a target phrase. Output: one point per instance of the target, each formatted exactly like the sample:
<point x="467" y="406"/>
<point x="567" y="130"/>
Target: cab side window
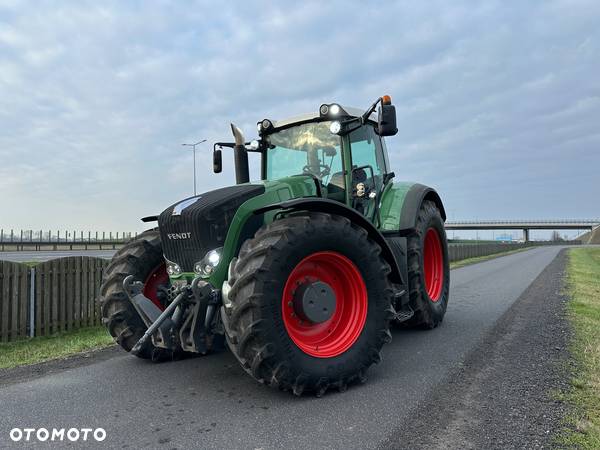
<point x="366" y="151"/>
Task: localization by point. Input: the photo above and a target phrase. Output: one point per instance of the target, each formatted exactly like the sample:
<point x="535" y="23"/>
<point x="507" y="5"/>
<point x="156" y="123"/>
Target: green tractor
<point x="300" y="274"/>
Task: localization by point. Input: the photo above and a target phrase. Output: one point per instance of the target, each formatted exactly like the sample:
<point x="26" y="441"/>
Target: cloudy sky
<point x="498" y="102"/>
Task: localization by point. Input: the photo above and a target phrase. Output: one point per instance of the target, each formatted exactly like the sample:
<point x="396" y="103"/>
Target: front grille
<point x="207" y="221"/>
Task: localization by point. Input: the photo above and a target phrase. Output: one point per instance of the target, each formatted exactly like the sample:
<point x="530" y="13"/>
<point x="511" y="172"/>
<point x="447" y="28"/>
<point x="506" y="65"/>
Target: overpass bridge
<point x="525" y="225"/>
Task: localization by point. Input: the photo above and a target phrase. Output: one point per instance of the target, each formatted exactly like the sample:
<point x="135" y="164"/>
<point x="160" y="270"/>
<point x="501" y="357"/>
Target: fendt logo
<point x="175" y="236"/>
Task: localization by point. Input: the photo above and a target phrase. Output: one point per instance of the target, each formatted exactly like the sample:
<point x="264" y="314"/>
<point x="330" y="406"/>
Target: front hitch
<point x="185" y="324"/>
<point x="166" y="314"/>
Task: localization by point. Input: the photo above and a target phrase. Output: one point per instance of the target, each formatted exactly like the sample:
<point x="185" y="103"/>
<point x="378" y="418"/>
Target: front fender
<point x="247" y="221"/>
<point x="401" y="203"/>
<point x="334" y="207"/>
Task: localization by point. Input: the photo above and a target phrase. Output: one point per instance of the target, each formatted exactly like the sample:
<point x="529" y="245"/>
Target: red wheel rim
<point x="433" y="264"/>
<point x="337" y="334"/>
<point x="158" y="277"/>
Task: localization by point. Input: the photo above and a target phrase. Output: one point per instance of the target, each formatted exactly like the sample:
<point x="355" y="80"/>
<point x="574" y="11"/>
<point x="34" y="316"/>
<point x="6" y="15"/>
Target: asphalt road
<point x="38" y="256"/>
<point x="209" y="402"/>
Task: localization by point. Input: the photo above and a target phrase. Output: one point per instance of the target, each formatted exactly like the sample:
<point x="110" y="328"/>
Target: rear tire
<point x="143" y="259"/>
<point x="271" y="343"/>
<point x="428" y="268"/>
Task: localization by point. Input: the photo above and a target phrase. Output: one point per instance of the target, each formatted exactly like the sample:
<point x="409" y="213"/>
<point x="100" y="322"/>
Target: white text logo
<point x="57" y="434"/>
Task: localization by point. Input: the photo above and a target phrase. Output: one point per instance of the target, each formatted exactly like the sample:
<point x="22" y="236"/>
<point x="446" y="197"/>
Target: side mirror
<point x="386" y="123"/>
<point x="217" y="161"/>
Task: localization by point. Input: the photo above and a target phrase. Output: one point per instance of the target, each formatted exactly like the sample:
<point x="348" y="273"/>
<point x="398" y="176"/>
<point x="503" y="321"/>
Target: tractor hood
<point x="192" y="227"/>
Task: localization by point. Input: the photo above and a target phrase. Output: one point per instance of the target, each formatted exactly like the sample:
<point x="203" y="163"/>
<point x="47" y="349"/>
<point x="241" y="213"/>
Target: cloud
<point x="497" y="106"/>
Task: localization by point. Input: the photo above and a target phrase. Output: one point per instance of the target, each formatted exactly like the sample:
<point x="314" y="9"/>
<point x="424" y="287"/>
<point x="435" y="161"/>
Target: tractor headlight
<point x="335" y="127"/>
<point x="173" y="269"/>
<point x="330" y="110"/>
<point x="207" y="265"/>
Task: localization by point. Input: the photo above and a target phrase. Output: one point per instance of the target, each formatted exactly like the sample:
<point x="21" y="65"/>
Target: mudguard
<point x="400" y="205"/>
<point x="334" y="207"/>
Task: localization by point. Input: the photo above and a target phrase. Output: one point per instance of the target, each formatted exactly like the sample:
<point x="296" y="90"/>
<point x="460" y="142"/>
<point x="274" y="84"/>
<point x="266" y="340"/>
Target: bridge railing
<point x="17" y="240"/>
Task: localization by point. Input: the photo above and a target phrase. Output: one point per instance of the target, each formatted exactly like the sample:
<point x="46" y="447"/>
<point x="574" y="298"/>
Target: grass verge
<point x="40" y="349"/>
<point x="583" y="422"/>
<point x="478" y="259"/>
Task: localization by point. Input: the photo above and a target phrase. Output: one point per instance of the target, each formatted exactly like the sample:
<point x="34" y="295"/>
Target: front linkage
<point x="188" y="322"/>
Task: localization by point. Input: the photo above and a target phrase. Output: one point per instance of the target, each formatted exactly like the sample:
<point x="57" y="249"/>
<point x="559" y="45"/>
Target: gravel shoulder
<point x="504" y="395"/>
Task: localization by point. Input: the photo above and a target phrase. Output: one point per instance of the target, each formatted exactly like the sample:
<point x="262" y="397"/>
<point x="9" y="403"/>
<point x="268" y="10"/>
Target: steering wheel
<point x="322" y="173"/>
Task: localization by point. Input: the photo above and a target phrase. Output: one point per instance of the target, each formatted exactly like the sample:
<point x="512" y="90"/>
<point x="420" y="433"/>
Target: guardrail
<point x="457" y="252"/>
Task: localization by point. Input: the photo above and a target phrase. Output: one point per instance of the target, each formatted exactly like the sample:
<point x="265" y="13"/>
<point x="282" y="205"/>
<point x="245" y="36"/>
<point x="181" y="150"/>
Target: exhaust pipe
<point x="242" y="173"/>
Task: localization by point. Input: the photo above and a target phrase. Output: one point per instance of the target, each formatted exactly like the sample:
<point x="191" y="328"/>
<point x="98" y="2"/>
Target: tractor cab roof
<point x="331" y="111"/>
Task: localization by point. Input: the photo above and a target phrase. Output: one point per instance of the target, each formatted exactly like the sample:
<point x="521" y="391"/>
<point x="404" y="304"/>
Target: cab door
<point x="368" y="170"/>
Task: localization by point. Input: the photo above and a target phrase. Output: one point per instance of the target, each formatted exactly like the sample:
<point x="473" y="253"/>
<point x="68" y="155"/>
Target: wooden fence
<point x="56" y="295"/>
<point x="14" y="305"/>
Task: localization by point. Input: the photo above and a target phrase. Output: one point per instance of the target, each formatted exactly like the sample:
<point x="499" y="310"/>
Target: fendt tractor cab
<point x="300" y="273"/>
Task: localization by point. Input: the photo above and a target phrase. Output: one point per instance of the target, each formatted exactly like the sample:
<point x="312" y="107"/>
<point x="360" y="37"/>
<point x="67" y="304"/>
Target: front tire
<point x="281" y="345"/>
<point x="142" y="258"/>
<point x="428" y="268"/>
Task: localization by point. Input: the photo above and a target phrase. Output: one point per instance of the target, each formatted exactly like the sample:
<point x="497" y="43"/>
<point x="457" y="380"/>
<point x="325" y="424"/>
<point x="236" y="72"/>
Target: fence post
<point x="32" y="303"/>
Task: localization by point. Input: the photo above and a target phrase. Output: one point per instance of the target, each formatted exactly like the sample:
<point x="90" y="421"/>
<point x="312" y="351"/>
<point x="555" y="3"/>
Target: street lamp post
<point x="194" y="147"/>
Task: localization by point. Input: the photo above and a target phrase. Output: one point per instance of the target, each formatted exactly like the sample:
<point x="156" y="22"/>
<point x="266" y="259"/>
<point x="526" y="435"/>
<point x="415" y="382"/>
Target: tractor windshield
<point x="309" y="148"/>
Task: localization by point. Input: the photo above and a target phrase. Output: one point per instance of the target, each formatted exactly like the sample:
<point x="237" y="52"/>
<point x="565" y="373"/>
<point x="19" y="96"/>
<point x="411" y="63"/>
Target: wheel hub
<point x="315" y="301"/>
<point x="334" y="320"/>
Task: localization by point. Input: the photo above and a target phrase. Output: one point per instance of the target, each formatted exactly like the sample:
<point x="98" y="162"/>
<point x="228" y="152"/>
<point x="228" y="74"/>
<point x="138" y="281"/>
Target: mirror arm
<point x="232" y="145"/>
<point x="368" y="112"/>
